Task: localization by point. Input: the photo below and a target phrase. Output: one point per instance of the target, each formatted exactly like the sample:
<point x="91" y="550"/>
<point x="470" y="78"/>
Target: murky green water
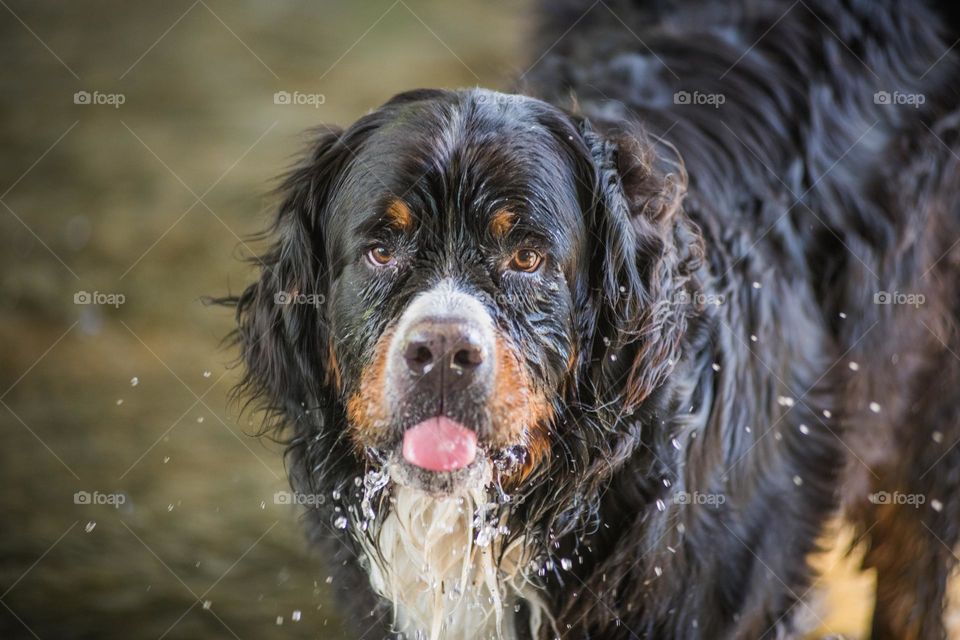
<point x="149" y="200"/>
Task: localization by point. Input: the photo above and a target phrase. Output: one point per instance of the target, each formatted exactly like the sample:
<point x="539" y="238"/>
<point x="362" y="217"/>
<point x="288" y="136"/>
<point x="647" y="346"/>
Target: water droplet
<point x="937" y="437"/>
<point x="90" y="526"/>
<point x="804" y="429"/>
<point x="843" y="315"/>
<point x="206" y="374"/>
<point x="200" y="420"/>
<point x="134" y="381"/>
<point x="716" y="366"/>
<point x="340" y="523"/>
<point x="797" y="480"/>
<point x="119" y="401"/>
<point x="295" y="616"/>
<point x="875" y="407"/>
<point x="166" y="459"/>
<point x="207" y="604"/>
<point x="757" y="285"/>
<point x="279" y="620"/>
<point x="753" y="338"/>
<point x="566" y="564"/>
<point x="936" y="505"/>
<point x="853" y="366"/>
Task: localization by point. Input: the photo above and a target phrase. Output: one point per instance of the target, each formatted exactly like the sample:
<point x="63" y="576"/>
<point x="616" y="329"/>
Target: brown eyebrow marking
<point x="501" y="222"/>
<point x="399" y="215"/>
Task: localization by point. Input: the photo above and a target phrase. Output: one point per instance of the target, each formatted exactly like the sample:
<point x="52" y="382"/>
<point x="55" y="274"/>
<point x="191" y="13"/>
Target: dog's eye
<point x="380" y="255"/>
<point x="526" y="260"/>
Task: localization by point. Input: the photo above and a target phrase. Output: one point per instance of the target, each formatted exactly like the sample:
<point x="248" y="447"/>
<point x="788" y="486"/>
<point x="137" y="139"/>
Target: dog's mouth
<point x="439" y="444"/>
<point x="440" y="456"/>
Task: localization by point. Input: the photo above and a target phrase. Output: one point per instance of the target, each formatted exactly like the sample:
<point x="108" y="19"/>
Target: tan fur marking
<point x="366" y="409"/>
<point x="520" y="415"/>
<point x="333" y="368"/>
<point x="399" y="215"/>
<point x="501" y="222"/>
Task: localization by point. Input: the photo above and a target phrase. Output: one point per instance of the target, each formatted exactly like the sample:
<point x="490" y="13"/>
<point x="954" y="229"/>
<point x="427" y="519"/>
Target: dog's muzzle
<point x="440" y="373"/>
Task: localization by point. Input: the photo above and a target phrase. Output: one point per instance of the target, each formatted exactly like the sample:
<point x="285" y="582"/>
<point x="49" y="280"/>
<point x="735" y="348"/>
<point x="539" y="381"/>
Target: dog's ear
<point x="645" y="254"/>
<point x="281" y="317"/>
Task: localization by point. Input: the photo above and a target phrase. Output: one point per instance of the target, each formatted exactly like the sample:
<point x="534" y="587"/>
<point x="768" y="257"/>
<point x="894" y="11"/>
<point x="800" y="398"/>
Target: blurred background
<point x="141" y="191"/>
<point x="141" y="141"/>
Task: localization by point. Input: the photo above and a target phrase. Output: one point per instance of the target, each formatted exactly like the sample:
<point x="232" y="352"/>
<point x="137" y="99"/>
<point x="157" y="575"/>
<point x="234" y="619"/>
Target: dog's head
<point x="457" y="272"/>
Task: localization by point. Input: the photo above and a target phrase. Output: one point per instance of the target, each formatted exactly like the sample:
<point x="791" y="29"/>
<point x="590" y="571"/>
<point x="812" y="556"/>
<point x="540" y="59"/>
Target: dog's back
<point x="822" y="142"/>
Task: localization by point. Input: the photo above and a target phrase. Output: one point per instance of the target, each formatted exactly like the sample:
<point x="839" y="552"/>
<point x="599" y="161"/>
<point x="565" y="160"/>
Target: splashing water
<point x="373" y="482"/>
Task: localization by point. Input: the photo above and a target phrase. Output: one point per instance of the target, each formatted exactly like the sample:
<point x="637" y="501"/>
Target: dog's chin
<point x="476" y="475"/>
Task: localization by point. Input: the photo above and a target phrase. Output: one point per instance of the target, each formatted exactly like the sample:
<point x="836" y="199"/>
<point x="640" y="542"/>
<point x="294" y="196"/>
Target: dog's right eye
<point x="380" y="255"/>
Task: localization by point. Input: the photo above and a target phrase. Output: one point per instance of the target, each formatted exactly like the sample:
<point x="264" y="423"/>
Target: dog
<point x="602" y="357"/>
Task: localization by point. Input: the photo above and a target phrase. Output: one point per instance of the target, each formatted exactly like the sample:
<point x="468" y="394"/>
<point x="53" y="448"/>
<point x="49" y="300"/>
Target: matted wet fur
<point x="707" y="367"/>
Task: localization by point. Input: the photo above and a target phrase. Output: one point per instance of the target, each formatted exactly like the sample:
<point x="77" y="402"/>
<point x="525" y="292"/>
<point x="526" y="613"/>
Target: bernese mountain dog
<point x="603" y="357"/>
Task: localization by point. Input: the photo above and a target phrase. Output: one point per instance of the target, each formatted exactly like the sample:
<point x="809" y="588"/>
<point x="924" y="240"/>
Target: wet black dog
<point x="555" y="375"/>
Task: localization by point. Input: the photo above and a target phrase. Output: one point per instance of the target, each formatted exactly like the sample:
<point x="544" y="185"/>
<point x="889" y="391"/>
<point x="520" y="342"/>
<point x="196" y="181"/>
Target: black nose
<point x="444" y="352"/>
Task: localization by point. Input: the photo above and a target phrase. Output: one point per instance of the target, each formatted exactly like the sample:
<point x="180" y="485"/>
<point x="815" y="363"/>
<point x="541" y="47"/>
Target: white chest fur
<point x="442" y="563"/>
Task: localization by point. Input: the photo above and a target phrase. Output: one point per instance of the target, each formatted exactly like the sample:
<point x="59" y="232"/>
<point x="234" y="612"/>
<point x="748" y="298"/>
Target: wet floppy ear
<point x="645" y="251"/>
<point x="280" y="317"/>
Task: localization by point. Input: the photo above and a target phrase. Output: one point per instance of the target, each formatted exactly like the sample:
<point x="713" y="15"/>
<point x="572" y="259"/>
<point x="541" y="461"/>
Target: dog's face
<point x="477" y="259"/>
<point x="458" y="238"/>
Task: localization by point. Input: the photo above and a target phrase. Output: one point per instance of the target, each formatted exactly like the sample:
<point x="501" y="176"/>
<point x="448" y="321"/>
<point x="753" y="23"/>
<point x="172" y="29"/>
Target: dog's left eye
<point x="380" y="255"/>
<point x="526" y="260"/>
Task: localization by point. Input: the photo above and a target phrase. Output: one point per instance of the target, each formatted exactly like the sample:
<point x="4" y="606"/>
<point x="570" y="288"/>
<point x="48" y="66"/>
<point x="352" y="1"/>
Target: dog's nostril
<point x="468" y="357"/>
<point x="418" y="356"/>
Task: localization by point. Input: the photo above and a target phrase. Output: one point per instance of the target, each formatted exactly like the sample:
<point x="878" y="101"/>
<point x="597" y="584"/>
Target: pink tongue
<point x="439" y="444"/>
